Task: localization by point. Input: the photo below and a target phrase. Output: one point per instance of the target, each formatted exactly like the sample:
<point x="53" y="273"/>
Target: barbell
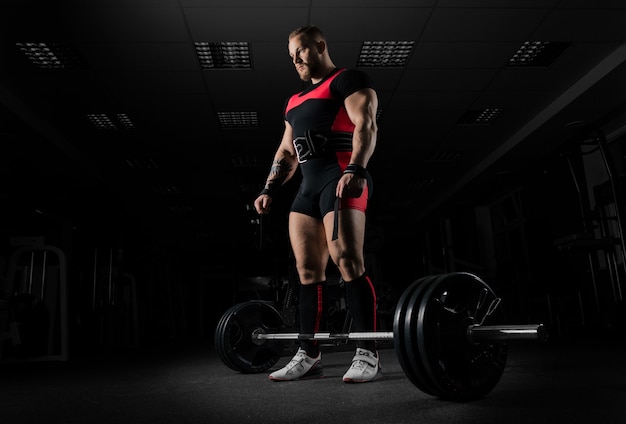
<point x="444" y="334"/>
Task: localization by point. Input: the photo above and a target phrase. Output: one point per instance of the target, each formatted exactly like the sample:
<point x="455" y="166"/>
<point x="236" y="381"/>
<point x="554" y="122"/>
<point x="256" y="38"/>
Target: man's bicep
<point x="362" y="105"/>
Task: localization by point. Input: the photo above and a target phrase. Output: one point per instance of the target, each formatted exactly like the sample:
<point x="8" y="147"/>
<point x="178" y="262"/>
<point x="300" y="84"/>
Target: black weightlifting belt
<point x="317" y="144"/>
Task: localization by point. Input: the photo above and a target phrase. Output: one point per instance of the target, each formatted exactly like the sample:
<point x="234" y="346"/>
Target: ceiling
<point x="178" y="173"/>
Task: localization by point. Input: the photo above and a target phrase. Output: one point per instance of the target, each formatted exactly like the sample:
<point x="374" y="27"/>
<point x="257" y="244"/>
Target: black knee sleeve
<point x="311" y="301"/>
<point x="361" y="298"/>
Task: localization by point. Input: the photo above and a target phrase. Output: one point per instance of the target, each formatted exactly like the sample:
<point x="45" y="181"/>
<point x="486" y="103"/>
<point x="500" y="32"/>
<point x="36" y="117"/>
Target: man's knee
<point x="350" y="266"/>
<point x="311" y="275"/>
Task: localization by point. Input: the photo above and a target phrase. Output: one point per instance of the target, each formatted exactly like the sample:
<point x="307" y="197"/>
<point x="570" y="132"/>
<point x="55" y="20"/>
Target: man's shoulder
<point x="352" y="77"/>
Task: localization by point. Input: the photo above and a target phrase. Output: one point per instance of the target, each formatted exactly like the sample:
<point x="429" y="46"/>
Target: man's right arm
<point x="283" y="168"/>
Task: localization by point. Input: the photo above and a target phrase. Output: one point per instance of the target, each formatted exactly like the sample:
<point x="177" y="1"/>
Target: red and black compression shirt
<point x="319" y="108"/>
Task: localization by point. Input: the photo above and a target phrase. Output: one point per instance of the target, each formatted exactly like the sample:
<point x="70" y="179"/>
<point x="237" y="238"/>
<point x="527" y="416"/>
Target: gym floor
<point x="573" y="382"/>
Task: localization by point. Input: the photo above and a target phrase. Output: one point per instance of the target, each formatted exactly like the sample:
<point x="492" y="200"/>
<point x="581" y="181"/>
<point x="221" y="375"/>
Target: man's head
<point x="309" y="53"/>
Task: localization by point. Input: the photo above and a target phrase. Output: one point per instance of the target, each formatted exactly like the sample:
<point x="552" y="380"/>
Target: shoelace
<point x="359" y="364"/>
<point x="294" y="361"/>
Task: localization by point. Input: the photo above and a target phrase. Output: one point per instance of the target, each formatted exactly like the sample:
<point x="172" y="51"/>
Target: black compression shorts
<point x="316" y="196"/>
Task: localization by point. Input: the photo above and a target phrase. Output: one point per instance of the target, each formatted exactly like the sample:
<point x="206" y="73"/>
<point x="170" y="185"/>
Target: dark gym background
<point x="133" y="142"/>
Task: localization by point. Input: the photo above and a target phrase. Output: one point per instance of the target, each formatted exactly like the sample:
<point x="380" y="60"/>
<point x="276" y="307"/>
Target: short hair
<point x="310" y="32"/>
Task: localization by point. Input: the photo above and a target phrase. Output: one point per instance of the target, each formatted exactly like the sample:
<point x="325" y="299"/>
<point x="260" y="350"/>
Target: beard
<point x="304" y="73"/>
<point x="309" y="70"/>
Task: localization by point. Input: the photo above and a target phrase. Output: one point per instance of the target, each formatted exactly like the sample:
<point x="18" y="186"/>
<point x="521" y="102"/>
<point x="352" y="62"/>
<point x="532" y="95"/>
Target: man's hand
<point x="350" y="185"/>
<point x="262" y="204"/>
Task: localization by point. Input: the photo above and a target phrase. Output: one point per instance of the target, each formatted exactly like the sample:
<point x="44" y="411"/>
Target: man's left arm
<point x="361" y="107"/>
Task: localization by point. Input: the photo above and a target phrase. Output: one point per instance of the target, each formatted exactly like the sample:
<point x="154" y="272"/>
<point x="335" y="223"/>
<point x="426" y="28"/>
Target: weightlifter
<point x="330" y="133"/>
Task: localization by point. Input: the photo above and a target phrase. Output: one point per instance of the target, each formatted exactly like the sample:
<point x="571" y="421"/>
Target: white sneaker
<point x="300" y="366"/>
<point x="365" y="367"/>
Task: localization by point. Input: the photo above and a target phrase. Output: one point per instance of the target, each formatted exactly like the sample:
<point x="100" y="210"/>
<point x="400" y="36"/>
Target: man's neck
<point x="327" y="70"/>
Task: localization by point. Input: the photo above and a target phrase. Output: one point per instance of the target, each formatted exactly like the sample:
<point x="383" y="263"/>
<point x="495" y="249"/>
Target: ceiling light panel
<point x="166" y="189"/>
<point x="537" y="54"/>
<point x="51" y="55"/>
<point x="238" y="119"/>
<point x="419" y="184"/>
<point x="182" y="209"/>
<point x="224" y="55"/>
<point x="125" y="121"/>
<point x="480" y="117"/>
<point x="102" y="121"/>
<point x="247" y="161"/>
<point x="142" y="163"/>
<point x="385" y="54"/>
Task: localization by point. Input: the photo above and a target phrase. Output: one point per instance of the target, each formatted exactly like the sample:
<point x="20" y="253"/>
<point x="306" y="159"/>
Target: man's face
<point x="305" y="57"/>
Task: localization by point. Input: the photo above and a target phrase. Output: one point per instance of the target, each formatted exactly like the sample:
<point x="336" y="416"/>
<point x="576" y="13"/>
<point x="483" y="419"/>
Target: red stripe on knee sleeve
<point x="369" y="281"/>
<point x="320" y="306"/>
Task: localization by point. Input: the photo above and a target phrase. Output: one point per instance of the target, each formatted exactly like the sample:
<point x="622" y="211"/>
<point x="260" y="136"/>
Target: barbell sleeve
<point x="495" y="333"/>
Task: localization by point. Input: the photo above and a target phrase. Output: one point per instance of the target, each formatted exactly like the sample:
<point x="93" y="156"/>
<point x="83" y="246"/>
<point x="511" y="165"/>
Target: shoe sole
<point x="353" y="381"/>
<point x="378" y="376"/>
<point x="316" y="372"/>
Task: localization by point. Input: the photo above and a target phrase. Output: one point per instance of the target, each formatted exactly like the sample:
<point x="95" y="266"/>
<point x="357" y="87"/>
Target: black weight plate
<point x="218" y="338"/>
<point x="221" y="346"/>
<point x="402" y="337"/>
<point x="220" y="342"/>
<point x="398" y="332"/>
<point x="233" y="337"/>
<point x="461" y="370"/>
<point x="412" y="331"/>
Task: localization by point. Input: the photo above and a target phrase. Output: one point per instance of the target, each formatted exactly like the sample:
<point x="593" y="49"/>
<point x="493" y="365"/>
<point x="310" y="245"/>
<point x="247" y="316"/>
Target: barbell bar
<point x="475" y="333"/>
<point x="447" y="333"/>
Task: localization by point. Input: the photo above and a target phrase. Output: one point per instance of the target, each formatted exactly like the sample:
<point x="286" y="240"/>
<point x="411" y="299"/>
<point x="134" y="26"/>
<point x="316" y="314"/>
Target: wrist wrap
<point x="267" y="191"/>
<point x="353" y="168"/>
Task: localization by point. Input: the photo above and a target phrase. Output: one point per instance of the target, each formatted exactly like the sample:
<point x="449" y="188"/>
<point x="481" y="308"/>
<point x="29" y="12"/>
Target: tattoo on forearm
<point x="278" y="174"/>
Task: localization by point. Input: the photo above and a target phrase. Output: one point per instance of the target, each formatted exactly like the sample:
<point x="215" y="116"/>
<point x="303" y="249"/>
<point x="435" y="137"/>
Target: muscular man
<point x="330" y="133"/>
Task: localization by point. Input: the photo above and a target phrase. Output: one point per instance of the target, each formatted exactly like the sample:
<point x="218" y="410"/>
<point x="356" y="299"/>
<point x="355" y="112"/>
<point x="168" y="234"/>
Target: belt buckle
<point x="305" y="148"/>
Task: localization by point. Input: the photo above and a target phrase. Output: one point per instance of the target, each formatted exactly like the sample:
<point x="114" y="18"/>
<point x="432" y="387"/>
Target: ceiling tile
<point x="462" y="54"/>
<point x="141" y="83"/>
<point x="467" y="24"/>
<point x="583" y="25"/>
<point x="447" y="79"/>
<point x="127" y="24"/>
<point x="141" y="56"/>
<point x="372" y="24"/>
<point x="250" y="24"/>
